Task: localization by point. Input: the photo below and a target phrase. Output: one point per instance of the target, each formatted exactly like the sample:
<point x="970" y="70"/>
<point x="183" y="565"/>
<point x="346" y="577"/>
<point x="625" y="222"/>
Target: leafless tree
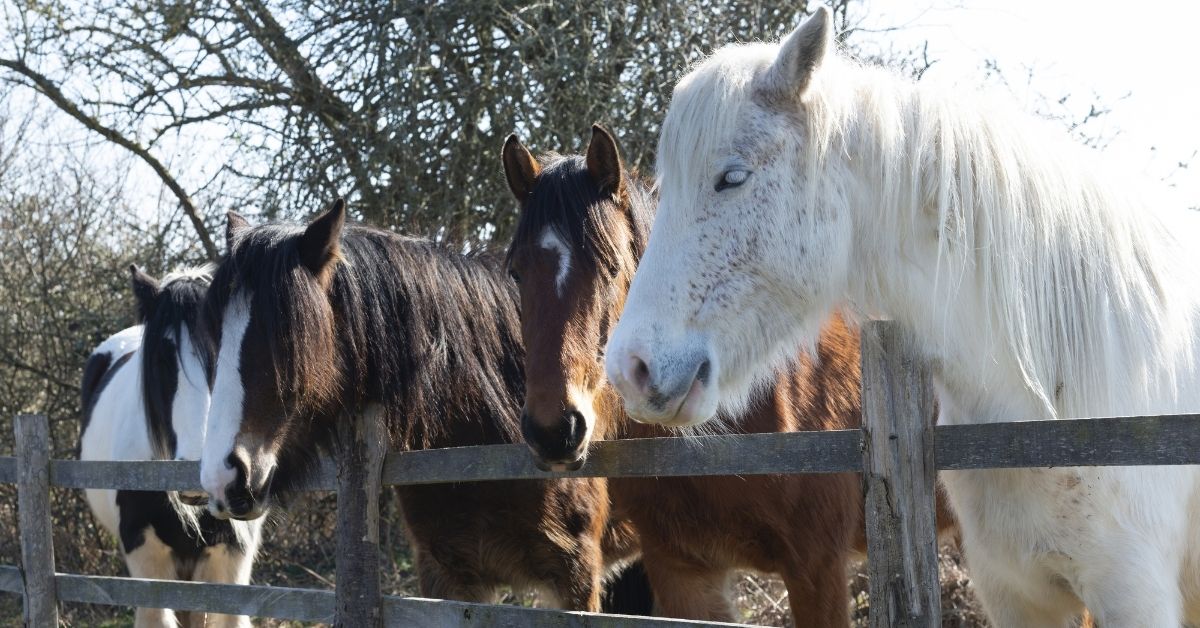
<point x="398" y="105"/>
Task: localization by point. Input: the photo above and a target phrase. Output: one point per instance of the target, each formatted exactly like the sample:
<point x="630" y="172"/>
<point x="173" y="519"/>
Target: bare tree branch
<point x="47" y="88"/>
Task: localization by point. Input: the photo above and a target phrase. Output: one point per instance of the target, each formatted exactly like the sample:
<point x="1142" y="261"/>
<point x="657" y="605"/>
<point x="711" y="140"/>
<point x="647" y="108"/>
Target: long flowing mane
<point x="1078" y="274"/>
<point x="429" y="334"/>
<point x="1083" y="277"/>
<point x="567" y="202"/>
<point x="176" y="309"/>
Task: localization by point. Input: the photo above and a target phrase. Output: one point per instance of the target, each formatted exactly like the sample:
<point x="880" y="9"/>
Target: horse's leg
<point x="225" y="565"/>
<point x="580" y="584"/>
<point x="687" y="590"/>
<point x="437" y="582"/>
<point x="819" y="593"/>
<point x="152" y="559"/>
<point x="1136" y="592"/>
<point x="1007" y="607"/>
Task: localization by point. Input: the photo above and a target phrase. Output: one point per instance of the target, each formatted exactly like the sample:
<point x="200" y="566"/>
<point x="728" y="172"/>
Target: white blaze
<point x="225" y="413"/>
<point x="190" y="407"/>
<point x="551" y="242"/>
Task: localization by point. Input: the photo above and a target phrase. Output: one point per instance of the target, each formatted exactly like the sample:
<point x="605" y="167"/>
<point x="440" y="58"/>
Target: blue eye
<point x="732" y="179"/>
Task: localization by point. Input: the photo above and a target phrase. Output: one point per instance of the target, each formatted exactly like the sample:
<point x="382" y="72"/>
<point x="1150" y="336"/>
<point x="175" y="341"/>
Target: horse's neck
<point x="1093" y="311"/>
<point x="1125" y="365"/>
<point x="428" y="408"/>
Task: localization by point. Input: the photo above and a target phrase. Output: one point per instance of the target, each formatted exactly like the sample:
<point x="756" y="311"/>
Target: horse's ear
<point x="320" y="243"/>
<point x="604" y="161"/>
<point x="520" y="168"/>
<point x="145" y="290"/>
<point x="235" y="224"/>
<point x="800" y="54"/>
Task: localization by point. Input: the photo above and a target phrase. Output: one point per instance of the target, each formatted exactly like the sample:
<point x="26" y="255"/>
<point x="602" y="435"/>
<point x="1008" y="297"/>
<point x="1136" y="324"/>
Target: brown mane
<point x="359" y="316"/>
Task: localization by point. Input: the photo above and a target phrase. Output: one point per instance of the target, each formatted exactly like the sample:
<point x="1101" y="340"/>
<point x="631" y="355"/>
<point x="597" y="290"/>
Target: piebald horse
<point x="313" y="322"/>
<point x="145" y="397"/>
<point x="1038" y="281"/>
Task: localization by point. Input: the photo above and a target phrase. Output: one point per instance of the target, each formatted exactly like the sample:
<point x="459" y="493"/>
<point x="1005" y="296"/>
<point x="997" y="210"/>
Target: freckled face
<point x="748" y="255"/>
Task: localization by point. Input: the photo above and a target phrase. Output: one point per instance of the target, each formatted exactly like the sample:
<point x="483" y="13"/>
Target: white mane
<point x="202" y="273"/>
<point x="1078" y="273"/>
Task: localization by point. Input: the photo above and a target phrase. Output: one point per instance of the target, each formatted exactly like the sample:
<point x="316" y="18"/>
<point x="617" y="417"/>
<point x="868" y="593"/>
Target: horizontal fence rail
<point x="318" y="606"/>
<point x="257" y="600"/>
<point x="8" y="470"/>
<point x="1114" y="441"/>
<point x="10" y="580"/>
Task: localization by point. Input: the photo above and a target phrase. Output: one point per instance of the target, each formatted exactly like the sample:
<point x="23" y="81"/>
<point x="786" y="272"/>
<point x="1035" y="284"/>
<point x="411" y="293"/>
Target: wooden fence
<point x="897" y="451"/>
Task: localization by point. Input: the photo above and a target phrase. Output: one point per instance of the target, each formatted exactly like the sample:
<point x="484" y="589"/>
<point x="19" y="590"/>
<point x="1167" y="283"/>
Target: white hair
<point x="1085" y="278"/>
<point x="202" y="273"/>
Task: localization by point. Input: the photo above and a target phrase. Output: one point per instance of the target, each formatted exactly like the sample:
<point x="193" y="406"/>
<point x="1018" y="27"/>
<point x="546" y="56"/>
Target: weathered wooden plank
<point x="33" y="518"/>
<point x="139" y="475"/>
<point x="736" y="454"/>
<point x="900" y="479"/>
<point x="10" y="580"/>
<point x="8" y="470"/>
<point x="1171" y="439"/>
<point x="149" y="475"/>
<point x="400" y="611"/>
<point x="254" y="600"/>
<point x="314" y="605"/>
<point x="1140" y="440"/>
<point x="364" y="444"/>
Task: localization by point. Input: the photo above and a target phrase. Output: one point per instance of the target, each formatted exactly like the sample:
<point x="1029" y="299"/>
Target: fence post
<point x="33" y="519"/>
<point x="900" y="478"/>
<point x="363" y="443"/>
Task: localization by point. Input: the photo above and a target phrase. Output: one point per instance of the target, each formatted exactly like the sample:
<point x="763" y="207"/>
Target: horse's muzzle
<point x="193" y="498"/>
<point x="559" y="466"/>
<point x="561" y="446"/>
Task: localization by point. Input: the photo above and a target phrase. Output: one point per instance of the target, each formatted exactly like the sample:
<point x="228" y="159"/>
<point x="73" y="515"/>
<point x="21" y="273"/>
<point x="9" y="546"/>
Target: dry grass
<point x="763" y="600"/>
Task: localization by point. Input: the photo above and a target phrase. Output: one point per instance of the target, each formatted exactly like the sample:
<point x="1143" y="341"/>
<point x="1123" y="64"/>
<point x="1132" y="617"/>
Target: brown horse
<point x="313" y="322"/>
<point x="582" y="229"/>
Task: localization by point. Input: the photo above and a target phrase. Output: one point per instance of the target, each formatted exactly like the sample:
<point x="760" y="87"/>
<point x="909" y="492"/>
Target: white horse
<point x="145" y="397"/>
<point x="1039" y="282"/>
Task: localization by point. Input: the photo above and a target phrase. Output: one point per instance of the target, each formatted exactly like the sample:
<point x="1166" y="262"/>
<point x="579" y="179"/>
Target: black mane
<point x="429" y="334"/>
<point x="567" y="200"/>
<point x="176" y="308"/>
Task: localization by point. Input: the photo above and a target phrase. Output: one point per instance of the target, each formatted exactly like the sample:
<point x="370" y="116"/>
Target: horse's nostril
<point x="639" y="372"/>
<point x="703" y="372"/>
<point x="576" y="427"/>
<point x="235" y="462"/>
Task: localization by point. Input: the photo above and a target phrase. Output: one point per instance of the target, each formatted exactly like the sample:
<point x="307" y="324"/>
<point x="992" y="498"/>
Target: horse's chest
<point x="1022" y="518"/>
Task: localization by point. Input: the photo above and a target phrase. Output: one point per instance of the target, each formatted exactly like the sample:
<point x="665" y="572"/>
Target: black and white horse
<point x="145" y="397"/>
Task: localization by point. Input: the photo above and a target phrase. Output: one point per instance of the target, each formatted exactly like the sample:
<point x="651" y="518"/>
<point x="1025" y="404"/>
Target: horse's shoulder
<point x="122" y="342"/>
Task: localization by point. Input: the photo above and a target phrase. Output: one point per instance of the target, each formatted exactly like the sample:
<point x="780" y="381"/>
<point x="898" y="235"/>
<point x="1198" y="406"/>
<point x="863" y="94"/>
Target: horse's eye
<point x="732" y="179"/>
<point x="515" y="277"/>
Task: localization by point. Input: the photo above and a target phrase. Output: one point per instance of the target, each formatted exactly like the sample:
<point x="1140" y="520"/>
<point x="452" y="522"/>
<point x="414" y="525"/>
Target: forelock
<point x="701" y="121"/>
<point x="569" y="204"/>
<point x="290" y="309"/>
<point x="179" y="308"/>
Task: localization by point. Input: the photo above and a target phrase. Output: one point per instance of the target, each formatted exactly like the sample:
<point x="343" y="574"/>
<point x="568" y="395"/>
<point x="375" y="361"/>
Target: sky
<point x="1138" y="59"/>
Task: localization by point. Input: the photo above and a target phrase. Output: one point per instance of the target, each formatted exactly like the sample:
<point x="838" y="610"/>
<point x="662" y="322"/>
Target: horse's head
<point x="751" y="243"/>
<point x="174" y="362"/>
<point x="573" y="256"/>
<point x="270" y="317"/>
